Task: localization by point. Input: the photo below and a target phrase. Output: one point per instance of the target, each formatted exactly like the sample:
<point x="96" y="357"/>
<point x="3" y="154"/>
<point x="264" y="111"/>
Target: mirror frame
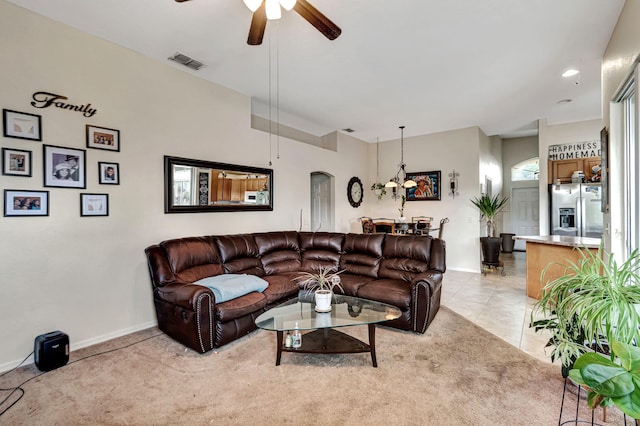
<point x="169" y="162"/>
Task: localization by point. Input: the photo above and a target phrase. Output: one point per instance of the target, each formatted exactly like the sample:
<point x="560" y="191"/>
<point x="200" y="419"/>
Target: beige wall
<point x="618" y="61"/>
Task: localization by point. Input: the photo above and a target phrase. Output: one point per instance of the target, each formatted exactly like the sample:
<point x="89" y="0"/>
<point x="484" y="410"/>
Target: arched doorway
<point x="322" y="202"/>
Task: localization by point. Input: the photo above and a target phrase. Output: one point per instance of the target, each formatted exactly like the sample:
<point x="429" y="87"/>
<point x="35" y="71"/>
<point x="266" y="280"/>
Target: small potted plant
<point x="379" y="189"/>
<point x="322" y="284"/>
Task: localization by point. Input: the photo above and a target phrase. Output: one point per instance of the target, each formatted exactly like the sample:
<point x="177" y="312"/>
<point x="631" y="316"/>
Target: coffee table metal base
<point x="330" y="341"/>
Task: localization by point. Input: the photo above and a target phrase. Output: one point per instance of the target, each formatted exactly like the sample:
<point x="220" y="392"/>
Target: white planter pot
<point x="323" y="300"/>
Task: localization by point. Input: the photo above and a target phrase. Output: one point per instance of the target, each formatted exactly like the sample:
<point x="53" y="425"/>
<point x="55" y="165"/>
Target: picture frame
<point x="64" y="167"/>
<point x="108" y="173"/>
<point x="22" y="125"/>
<point x="26" y="203"/>
<point x="16" y="162"/>
<point x="103" y="138"/>
<point x="429" y="186"/>
<point x="94" y="204"/>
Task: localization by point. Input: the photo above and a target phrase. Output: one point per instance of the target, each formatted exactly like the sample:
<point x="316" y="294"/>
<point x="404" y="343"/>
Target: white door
<point x="525" y="213"/>
<point x="322" y="210"/>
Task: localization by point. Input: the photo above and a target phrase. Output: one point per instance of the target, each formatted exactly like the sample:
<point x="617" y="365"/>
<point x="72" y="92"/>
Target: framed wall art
<point x="64" y="167"/>
<point x="94" y="204"/>
<point x="103" y="138"/>
<point x="16" y="162"/>
<point x="108" y="173"/>
<point x="428" y="188"/>
<point x="26" y="203"/>
<point x="22" y="125"/>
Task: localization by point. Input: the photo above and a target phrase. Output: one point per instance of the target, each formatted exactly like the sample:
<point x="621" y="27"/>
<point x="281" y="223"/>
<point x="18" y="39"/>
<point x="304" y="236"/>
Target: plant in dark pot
<point x="489" y="207"/>
<point x="594" y="303"/>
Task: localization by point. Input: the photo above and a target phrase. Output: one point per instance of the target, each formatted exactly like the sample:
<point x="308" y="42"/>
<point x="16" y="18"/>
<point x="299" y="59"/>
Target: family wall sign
<point x="47" y="99"/>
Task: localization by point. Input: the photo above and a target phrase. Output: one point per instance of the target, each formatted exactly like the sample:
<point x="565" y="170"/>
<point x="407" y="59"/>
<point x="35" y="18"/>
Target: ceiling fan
<point x="270" y="9"/>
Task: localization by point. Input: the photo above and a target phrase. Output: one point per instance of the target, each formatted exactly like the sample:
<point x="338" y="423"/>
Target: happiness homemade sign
<point x="570" y="151"/>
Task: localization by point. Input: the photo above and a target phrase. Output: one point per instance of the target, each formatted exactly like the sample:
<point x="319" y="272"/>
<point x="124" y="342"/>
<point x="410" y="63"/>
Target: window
<point x="631" y="186"/>
<point x="526" y="170"/>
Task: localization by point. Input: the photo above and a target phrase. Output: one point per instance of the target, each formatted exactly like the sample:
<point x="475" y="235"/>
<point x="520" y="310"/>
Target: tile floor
<point x="498" y="304"/>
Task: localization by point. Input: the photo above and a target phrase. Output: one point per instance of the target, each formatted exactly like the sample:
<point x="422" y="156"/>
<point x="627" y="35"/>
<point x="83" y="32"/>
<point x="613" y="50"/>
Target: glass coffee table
<point x="323" y="338"/>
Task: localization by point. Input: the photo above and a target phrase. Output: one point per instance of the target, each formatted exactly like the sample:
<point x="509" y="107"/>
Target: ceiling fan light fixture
<point x="253" y="5"/>
<point x="272" y="7"/>
<point x="391" y="184"/>
<point x="287" y="4"/>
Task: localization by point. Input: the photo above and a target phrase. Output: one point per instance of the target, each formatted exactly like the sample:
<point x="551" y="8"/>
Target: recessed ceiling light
<point x="570" y="73"/>
<point x="564" y="101"/>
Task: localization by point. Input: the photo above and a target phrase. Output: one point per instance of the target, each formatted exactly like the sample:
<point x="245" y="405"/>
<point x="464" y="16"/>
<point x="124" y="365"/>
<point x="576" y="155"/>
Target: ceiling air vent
<point x="185" y="60"/>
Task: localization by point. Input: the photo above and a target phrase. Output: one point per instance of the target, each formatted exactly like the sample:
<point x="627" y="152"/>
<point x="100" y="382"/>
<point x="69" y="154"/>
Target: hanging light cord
<point x="278" y="89"/>
<point x="270" y="121"/>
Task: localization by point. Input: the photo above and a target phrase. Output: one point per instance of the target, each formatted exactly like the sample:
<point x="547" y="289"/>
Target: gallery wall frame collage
<point x="63" y="167"/>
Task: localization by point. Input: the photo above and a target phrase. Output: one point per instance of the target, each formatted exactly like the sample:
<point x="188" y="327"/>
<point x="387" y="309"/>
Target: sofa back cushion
<point x="193" y="258"/>
<point x="279" y="252"/>
<point x="320" y="250"/>
<point x="239" y="254"/>
<point x="405" y="256"/>
<point x="362" y="254"/>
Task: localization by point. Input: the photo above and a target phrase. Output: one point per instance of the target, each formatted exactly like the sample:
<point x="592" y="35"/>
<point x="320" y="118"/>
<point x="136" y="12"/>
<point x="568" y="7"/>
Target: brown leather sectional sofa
<point x="404" y="271"/>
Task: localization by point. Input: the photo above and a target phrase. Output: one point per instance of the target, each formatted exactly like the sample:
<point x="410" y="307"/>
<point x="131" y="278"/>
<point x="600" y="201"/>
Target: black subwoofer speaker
<point x="51" y="350"/>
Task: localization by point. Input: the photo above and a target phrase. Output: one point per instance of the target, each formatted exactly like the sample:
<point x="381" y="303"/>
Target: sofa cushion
<point x="362" y="254"/>
<point x="239" y="254"/>
<point x="281" y="287"/>
<point x="279" y="252"/>
<point x="241" y="306"/>
<point x="391" y="291"/>
<point x="404" y="257"/>
<point x="351" y="283"/>
<point x="193" y="258"/>
<point x="229" y="286"/>
<point x="320" y="250"/>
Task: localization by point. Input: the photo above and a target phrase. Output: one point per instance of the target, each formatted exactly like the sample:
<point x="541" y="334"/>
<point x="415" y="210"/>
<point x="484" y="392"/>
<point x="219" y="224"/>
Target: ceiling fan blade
<point x="258" y="25"/>
<point x="181" y="1"/>
<point x="317" y="19"/>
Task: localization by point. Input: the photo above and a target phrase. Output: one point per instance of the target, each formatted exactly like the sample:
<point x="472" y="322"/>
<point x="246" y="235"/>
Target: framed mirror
<point x="195" y="186"/>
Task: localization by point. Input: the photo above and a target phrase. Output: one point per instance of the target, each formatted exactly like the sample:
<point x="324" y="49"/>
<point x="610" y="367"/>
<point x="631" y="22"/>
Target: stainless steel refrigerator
<point x="575" y="209"/>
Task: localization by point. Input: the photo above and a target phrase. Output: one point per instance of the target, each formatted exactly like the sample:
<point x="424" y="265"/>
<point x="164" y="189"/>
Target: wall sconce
<point x="453" y="184"/>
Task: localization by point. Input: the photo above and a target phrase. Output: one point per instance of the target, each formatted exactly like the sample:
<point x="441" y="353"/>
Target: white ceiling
<point x="431" y="65"/>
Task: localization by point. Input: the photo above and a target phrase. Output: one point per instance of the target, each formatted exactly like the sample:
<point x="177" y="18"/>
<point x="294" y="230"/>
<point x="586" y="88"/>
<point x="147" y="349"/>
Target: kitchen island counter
<point x="551" y="249"/>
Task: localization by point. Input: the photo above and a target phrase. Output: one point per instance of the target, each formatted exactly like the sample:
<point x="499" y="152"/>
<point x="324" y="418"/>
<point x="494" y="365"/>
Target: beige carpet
<point x="455" y="374"/>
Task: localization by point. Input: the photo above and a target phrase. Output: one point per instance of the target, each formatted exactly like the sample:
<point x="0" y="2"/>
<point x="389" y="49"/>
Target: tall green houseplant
<point x="595" y="302"/>
<point x="489" y="207"/>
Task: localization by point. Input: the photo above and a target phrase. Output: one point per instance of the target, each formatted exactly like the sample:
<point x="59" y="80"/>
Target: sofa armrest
<point x="185" y="295"/>
<point x="425" y="295"/>
<point x="431" y="277"/>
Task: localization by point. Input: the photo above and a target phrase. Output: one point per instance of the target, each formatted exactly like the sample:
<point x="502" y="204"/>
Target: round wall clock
<point x="355" y="191"/>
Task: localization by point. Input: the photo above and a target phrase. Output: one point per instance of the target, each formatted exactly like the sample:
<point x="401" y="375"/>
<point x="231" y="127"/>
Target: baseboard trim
<point x="74" y="346"/>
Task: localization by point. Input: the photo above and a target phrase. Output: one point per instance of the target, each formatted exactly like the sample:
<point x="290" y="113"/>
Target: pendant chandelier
<point x="272" y="7"/>
<point x="395" y="181"/>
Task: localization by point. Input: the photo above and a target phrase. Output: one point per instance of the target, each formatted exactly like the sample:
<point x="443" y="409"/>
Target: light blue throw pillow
<point x="230" y="286"/>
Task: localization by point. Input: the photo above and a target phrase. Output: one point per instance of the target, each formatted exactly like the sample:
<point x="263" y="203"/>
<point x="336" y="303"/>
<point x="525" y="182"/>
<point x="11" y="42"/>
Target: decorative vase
<point x="323" y="300"/>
